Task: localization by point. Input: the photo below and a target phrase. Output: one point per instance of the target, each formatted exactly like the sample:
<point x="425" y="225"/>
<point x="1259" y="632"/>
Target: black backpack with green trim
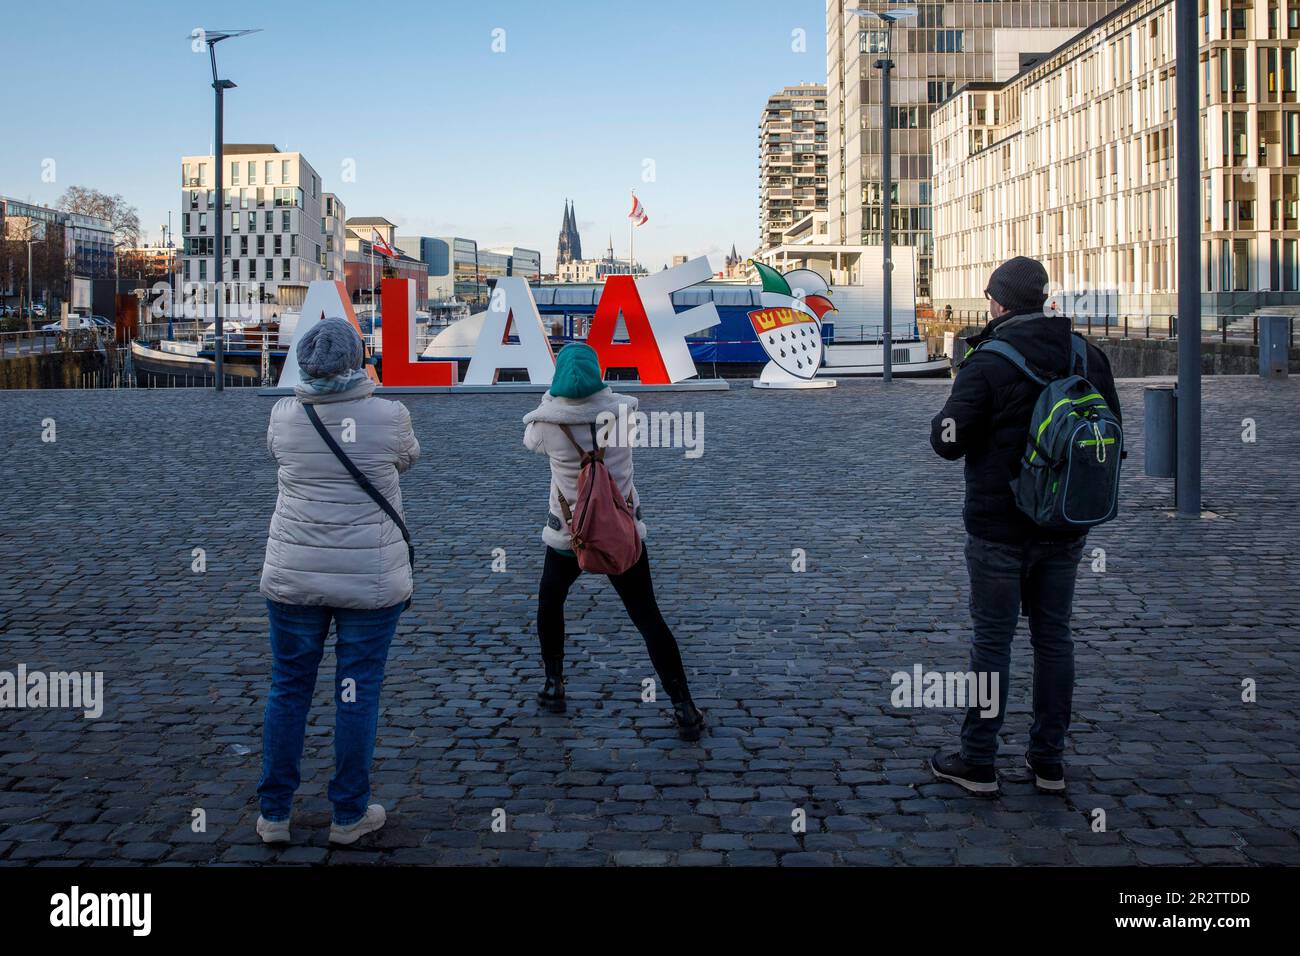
<point x="1069" y="475"/>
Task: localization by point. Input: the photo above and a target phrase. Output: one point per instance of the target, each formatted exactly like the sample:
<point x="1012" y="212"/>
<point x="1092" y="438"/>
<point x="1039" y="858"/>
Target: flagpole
<point x="630" y="223"/>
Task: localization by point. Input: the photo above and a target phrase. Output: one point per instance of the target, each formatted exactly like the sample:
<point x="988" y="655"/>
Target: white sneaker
<point x="372" y="821"/>
<point x="271" y="832"/>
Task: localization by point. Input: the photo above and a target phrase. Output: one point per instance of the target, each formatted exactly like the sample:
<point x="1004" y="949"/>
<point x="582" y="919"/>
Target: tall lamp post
<point x="1187" y="124"/>
<point x="212" y="38"/>
<point x="884" y="65"/>
<point x="31" y="285"/>
<point x="169" y="257"/>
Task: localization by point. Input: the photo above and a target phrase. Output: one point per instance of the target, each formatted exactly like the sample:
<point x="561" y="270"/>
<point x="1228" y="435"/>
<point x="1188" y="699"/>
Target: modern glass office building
<point x="471" y="271"/>
<point x="946" y="46"/>
<point x="88" y="240"/>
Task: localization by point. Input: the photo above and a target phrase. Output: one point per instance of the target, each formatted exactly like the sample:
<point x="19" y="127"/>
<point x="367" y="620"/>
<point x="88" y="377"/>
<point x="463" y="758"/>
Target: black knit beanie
<point x="1019" y="284"/>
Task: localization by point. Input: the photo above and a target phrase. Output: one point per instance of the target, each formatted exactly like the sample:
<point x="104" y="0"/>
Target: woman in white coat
<point x="577" y="397"/>
<point x="332" y="554"/>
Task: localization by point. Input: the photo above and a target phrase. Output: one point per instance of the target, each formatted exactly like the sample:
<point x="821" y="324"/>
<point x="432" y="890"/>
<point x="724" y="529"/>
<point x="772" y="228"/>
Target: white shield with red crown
<point x="791" y="338"/>
<point x="789" y="327"/>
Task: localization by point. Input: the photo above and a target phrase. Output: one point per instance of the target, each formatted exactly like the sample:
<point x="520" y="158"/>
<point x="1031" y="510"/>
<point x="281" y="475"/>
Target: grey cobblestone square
<point x="793" y="668"/>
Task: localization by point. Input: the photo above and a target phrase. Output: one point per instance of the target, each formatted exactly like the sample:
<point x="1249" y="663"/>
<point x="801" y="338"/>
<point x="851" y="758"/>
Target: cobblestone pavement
<point x="793" y="668"/>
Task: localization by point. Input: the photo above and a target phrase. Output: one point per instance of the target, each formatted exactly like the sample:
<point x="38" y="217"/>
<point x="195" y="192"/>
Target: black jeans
<point x="637" y="591"/>
<point x="1039" y="575"/>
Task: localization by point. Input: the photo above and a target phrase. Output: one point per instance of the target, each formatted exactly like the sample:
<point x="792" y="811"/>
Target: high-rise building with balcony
<point x="792" y="159"/>
<point x="947" y="45"/>
<point x="1073" y="162"/>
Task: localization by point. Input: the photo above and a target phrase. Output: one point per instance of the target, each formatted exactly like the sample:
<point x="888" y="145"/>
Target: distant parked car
<point x="102" y="322"/>
<point x="74" y="322"/>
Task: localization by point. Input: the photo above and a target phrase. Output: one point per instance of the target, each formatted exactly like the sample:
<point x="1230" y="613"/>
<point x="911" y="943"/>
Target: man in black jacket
<point x="1013" y="563"/>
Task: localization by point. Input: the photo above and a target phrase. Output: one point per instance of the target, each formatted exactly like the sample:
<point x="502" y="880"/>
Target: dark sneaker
<point x="1047" y="776"/>
<point x="690" y="720"/>
<point x="977" y="778"/>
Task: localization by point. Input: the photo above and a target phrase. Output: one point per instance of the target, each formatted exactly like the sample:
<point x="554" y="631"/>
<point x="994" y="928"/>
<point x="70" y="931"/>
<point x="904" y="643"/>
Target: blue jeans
<point x="1040" y="577"/>
<point x="298" y="634"/>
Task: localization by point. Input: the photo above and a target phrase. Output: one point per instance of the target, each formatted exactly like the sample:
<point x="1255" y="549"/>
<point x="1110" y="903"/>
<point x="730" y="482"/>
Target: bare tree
<point x="48" y="265"/>
<point x="92" y="202"/>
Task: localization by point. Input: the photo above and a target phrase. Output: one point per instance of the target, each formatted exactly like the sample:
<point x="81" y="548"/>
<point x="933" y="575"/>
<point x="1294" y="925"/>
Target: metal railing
<point x="36" y="342"/>
<point x="1220" y="328"/>
<point x="154" y="331"/>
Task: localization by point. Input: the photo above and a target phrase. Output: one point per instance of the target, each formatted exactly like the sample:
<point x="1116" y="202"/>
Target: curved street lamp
<point x="212" y="38"/>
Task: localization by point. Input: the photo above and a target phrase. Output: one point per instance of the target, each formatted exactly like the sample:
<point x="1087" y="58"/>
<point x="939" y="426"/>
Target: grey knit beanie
<point x="330" y="347"/>
<point x="1019" y="284"/>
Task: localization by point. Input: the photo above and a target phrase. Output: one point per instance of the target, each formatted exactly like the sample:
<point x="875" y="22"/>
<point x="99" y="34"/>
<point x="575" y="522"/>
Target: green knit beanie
<point x="577" y="372"/>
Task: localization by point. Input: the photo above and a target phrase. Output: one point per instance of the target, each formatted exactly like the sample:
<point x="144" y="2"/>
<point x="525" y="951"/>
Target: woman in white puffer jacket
<point x="577" y="399"/>
<point x="332" y="554"/>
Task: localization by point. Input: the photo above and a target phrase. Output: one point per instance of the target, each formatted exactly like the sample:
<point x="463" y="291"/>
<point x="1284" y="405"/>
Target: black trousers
<point x="637" y="591"/>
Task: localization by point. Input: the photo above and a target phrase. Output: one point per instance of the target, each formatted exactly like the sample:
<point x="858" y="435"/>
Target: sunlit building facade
<point x="946" y="46"/>
<point x="1073" y="162"/>
<point x="273" y="219"/>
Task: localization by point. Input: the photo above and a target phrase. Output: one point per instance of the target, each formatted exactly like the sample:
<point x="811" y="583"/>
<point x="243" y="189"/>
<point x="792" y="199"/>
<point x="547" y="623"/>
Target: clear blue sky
<point x="448" y="137"/>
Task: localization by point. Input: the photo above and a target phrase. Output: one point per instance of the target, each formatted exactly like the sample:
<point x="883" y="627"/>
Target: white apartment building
<point x="792" y="159"/>
<point x="1072" y="162"/>
<point x="596" y="270"/>
<point x="277" y="225"/>
<point x="334" y="231"/>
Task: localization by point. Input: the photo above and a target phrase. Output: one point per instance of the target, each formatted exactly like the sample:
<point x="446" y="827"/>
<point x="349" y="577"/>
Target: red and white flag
<point x="377" y="243"/>
<point x="638" y="214"/>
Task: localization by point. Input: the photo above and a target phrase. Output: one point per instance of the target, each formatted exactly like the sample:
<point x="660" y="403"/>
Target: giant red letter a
<point x="641" y="350"/>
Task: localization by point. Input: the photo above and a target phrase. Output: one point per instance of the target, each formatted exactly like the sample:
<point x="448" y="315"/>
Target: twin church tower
<point x="570" y="247"/>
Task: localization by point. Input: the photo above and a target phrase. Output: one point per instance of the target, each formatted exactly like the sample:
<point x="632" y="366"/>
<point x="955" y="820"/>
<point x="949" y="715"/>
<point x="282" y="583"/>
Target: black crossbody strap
<point x="362" y="480"/>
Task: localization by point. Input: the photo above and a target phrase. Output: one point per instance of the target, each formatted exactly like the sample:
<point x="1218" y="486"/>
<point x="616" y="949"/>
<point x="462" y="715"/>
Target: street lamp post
<point x="31" y="287"/>
<point x="884" y="65"/>
<point x="170" y="260"/>
<point x="212" y="38"/>
<point x="1187" y="122"/>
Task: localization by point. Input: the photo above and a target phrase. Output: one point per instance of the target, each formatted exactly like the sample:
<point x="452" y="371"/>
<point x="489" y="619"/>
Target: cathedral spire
<point x="575" y="240"/>
<point x="569" y="248"/>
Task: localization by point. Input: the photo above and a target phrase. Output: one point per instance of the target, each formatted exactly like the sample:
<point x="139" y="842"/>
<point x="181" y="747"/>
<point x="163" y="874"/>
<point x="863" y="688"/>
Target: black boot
<point x="690" y="719"/>
<point x="551" y="696"/>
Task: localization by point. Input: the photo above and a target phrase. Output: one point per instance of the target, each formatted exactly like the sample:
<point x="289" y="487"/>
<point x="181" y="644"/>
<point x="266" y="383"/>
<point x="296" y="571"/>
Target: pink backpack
<point x="601" y="522"/>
